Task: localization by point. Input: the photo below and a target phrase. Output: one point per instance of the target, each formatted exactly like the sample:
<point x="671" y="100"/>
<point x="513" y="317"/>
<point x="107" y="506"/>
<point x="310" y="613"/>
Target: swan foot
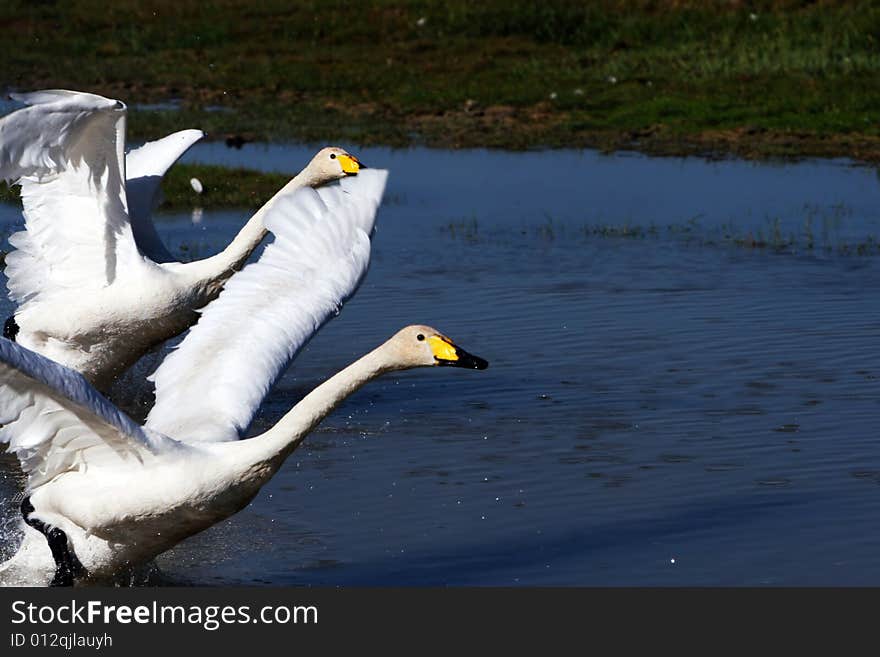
<point x="67" y="565"/>
<point x="10" y="328"/>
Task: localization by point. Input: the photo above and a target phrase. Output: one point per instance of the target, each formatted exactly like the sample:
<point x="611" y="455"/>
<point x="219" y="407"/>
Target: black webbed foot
<point x="10" y="328"/>
<point x="67" y="565"/>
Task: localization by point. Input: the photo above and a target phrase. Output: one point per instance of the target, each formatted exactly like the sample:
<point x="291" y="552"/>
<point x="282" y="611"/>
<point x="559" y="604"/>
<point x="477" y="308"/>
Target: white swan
<point x="109" y="494"/>
<point x="96" y="287"/>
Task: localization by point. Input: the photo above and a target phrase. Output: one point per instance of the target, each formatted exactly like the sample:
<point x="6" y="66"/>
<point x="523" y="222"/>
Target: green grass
<point x="756" y="79"/>
<point x="222" y="187"/>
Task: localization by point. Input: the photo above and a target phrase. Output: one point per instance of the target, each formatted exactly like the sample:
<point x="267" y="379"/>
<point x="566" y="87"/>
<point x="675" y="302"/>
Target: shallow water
<point x="666" y="409"/>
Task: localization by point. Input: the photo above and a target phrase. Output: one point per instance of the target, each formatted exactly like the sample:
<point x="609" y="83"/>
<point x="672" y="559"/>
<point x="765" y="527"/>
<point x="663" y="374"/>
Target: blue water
<point x="676" y="407"/>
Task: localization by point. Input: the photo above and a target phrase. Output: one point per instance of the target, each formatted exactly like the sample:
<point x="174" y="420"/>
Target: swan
<point x="95" y="286"/>
<point x="105" y="494"/>
<point x="109" y="494"/>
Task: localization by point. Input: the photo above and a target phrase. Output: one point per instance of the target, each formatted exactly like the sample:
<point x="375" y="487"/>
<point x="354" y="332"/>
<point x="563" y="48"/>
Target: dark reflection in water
<point x="658" y="411"/>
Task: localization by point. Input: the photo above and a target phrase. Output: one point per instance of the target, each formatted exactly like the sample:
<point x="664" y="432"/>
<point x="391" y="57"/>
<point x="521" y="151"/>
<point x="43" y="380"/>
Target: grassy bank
<point x="223" y="187"/>
<point x="755" y="79"/>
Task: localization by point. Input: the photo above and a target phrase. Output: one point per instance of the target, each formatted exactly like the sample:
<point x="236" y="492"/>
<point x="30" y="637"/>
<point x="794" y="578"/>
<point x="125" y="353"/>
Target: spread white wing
<point x="36" y="139"/>
<point x="210" y="387"/>
<point x="144" y="169"/>
<point x="65" y="150"/>
<point x="55" y="421"/>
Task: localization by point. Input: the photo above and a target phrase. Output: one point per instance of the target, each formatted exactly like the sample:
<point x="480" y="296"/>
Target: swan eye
<point x="420" y="337"/>
<point x="332" y="156"/>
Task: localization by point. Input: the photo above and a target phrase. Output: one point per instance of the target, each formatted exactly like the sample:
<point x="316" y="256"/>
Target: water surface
<point x="672" y="408"/>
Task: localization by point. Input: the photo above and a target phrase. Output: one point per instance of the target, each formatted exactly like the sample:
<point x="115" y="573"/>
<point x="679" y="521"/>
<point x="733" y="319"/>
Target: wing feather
<point x="36" y="139"/>
<point x="210" y="387"/>
<point x="144" y="168"/>
<point x="65" y="150"/>
<point x="55" y="421"/>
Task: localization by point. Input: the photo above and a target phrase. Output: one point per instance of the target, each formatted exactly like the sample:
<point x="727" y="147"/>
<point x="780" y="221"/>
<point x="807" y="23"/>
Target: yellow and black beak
<point x="350" y="164"/>
<point x="446" y="353"/>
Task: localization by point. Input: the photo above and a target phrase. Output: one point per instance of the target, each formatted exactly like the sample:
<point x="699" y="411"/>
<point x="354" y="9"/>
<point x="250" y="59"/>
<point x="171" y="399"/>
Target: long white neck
<point x="273" y="446"/>
<point x="213" y="272"/>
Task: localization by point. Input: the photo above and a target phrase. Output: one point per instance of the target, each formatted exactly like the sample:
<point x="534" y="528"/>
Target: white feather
<point x="144" y="170"/>
<point x="55" y="421"/>
<point x="210" y="388"/>
<point x="39" y="138"/>
<point x="65" y="149"/>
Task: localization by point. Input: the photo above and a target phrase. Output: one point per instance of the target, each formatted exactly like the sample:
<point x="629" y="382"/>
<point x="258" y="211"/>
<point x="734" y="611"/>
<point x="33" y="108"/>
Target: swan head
<point x="423" y="346"/>
<point x="333" y="163"/>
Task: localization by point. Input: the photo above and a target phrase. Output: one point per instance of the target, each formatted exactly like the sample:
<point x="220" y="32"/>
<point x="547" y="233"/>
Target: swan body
<point x="94" y="285"/>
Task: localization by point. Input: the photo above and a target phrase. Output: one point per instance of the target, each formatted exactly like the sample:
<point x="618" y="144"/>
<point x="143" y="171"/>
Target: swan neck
<point x="278" y="442"/>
